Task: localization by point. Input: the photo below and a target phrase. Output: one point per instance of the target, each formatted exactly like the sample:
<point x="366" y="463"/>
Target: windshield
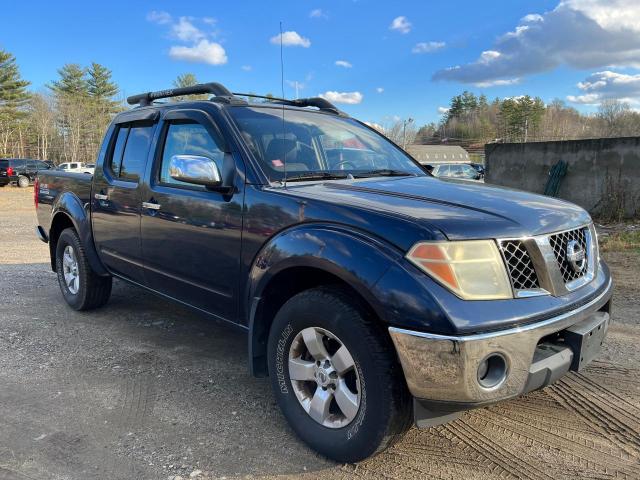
<point x="317" y="145"/>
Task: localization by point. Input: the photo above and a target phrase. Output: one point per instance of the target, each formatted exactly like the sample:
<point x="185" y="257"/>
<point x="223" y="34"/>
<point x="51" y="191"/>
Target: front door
<point x="117" y="201"/>
<point x="191" y="236"/>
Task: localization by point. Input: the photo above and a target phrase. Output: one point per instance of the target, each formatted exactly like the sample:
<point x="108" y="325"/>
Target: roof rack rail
<point x="318" y="102"/>
<point x="144" y="99"/>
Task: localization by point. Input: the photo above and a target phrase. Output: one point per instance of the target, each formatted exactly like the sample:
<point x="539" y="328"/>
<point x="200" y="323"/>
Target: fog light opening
<point x="492" y="370"/>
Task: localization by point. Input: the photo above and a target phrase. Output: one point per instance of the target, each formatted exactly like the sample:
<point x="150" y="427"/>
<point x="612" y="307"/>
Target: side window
<point x="188" y="139"/>
<point x="73" y="166"/>
<point x="135" y="152"/>
<point x="116" y="156"/>
<point x="32" y="165"/>
<point x="129" y="154"/>
<point x="42" y="166"/>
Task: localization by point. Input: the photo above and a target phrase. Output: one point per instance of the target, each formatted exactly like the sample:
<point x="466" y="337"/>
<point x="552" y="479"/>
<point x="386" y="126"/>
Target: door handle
<point x="100" y="196"/>
<point x="151" y="206"/>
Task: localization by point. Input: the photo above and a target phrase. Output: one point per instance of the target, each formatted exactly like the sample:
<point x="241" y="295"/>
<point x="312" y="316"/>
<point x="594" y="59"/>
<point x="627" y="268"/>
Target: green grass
<point x="617" y="241"/>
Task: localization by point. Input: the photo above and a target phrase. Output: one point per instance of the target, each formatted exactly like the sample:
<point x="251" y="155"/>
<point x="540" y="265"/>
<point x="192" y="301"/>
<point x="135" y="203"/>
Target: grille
<point x="519" y="264"/>
<point x="559" y="243"/>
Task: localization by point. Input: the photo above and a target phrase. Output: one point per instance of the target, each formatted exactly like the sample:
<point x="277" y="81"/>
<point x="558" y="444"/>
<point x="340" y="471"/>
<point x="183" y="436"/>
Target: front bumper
<point x="443" y="369"/>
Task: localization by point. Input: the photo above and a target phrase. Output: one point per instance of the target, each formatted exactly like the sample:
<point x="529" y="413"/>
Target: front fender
<point x="71" y="206"/>
<point x="351" y="256"/>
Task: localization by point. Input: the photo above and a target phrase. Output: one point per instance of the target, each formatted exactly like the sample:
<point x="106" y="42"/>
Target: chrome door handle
<point x="151" y="206"/>
<point x="99" y="196"/>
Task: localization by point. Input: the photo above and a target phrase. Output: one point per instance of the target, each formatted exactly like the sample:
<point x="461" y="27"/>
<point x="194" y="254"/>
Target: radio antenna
<point x="284" y="153"/>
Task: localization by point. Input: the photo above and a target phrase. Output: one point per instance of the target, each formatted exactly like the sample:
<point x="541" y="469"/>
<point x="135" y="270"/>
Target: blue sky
<point x="397" y="59"/>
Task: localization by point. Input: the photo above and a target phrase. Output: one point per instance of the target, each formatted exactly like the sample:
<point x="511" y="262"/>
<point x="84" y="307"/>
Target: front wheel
<point x="335" y="376"/>
<point x="81" y="287"/>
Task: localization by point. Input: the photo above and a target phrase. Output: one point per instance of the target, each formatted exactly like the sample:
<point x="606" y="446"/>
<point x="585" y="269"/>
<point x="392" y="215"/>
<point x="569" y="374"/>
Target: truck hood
<point x="459" y="209"/>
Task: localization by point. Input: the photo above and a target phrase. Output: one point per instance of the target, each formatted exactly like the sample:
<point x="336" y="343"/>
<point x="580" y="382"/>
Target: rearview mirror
<point x="195" y="169"/>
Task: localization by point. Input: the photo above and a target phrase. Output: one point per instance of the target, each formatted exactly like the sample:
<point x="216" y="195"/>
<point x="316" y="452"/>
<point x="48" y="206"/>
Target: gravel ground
<point x="143" y="389"/>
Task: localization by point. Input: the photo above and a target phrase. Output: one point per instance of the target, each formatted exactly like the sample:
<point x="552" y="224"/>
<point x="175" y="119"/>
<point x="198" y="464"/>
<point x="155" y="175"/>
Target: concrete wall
<point x="603" y="175"/>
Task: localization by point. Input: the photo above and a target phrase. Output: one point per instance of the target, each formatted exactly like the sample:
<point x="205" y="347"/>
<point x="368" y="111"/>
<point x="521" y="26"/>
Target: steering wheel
<point x="340" y="165"/>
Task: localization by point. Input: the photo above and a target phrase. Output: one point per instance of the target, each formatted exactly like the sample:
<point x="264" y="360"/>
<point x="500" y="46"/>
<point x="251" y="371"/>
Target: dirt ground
<point x="143" y="389"/>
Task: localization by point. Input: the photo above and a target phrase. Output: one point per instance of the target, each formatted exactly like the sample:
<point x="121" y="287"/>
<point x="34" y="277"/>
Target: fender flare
<point x="354" y="257"/>
<point x="69" y="205"/>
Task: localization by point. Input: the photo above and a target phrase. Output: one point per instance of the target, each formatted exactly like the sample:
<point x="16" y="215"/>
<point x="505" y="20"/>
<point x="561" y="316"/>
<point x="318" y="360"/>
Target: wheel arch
<point x="68" y="212"/>
<point x="305" y="257"/>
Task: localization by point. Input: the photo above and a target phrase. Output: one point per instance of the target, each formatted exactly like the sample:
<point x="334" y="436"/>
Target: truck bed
<point x="54" y="183"/>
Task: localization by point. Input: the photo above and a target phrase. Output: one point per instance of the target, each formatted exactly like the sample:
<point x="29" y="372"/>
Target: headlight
<point x="473" y="269"/>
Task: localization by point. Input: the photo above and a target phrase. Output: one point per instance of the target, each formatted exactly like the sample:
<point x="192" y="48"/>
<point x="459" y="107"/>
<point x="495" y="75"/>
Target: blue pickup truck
<point x="373" y="295"/>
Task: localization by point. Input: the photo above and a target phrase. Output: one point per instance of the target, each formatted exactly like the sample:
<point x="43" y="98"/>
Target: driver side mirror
<point x="197" y="170"/>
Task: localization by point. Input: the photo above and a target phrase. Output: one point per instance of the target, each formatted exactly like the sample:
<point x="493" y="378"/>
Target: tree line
<point x="474" y="119"/>
<point x="65" y="122"/>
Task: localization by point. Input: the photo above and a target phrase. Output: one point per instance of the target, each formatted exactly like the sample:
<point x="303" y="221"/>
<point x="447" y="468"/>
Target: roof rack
<point x="144" y="99"/>
<point x="318" y="102"/>
<point x="223" y="94"/>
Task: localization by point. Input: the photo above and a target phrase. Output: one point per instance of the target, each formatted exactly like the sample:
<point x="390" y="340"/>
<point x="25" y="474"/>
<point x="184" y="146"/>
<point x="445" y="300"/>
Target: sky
<point x="378" y="61"/>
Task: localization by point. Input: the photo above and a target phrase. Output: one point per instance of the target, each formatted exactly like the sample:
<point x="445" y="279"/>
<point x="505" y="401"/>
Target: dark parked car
<point x="461" y="171"/>
<point x="372" y="294"/>
<point x="21" y="171"/>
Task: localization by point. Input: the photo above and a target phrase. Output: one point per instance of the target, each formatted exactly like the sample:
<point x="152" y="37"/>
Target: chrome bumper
<point x="444" y="369"/>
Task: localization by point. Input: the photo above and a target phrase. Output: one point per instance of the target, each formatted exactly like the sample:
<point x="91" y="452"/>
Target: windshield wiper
<point x="301" y="177"/>
<point x="385" y="172"/>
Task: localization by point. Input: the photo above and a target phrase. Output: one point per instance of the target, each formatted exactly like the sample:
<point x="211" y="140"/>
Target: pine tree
<point x="13" y="97"/>
<point x="99" y="84"/>
<point x="72" y="81"/>
<point x="13" y="89"/>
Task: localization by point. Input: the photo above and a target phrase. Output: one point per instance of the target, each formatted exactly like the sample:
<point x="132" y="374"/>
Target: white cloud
<point x="247" y="68"/>
<point x="351" y="98"/>
<point x="582" y="34"/>
<point x="209" y="20"/>
<point x="607" y="85"/>
<point x="380" y="90"/>
<point x="187" y="31"/>
<point x="291" y="39"/>
<point x="343" y="63"/>
<point x="498" y="83"/>
<point x="318" y="13"/>
<point x="401" y="24"/>
<point x="158" y="16"/>
<point x="532" y="17"/>
<point x="427" y="47"/>
<point x="442" y="110"/>
<point x="203" y="51"/>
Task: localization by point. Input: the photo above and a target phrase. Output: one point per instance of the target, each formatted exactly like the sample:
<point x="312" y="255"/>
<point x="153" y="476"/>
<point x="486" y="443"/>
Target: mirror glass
<point x="195" y="169"/>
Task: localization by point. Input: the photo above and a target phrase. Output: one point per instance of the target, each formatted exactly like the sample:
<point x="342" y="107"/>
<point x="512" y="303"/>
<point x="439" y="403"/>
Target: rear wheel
<point x="23" y="182"/>
<point x="335" y="376"/>
<point x="81" y="287"/>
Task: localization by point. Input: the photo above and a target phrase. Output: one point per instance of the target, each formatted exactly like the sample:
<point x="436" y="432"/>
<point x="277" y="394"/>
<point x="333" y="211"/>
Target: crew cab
<point x="373" y="294"/>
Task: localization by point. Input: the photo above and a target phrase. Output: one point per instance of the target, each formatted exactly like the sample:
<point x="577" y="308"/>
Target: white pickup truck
<point x="77" y="167"/>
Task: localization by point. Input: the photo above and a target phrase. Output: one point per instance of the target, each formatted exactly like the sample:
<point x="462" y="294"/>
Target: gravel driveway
<point x="145" y="389"/>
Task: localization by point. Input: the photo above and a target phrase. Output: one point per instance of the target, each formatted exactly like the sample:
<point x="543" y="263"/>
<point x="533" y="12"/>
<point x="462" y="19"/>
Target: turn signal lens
<point x="473" y="270"/>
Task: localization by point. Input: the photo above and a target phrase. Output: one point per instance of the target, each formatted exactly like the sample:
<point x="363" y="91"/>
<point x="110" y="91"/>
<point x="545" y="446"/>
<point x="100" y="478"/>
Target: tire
<point x="384" y="410"/>
<point x="23" y="182"/>
<point x="81" y="287"/>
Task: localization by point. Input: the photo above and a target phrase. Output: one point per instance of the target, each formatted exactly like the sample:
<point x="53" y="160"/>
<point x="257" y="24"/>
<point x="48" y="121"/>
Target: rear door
<point x="191" y="236"/>
<point x="116" y="196"/>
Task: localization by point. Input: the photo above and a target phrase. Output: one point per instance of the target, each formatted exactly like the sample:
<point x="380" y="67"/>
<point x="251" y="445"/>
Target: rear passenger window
<point x="130" y="151"/>
<point x="188" y="139"/>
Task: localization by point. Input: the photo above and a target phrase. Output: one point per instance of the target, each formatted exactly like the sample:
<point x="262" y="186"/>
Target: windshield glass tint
<point x="312" y="142"/>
